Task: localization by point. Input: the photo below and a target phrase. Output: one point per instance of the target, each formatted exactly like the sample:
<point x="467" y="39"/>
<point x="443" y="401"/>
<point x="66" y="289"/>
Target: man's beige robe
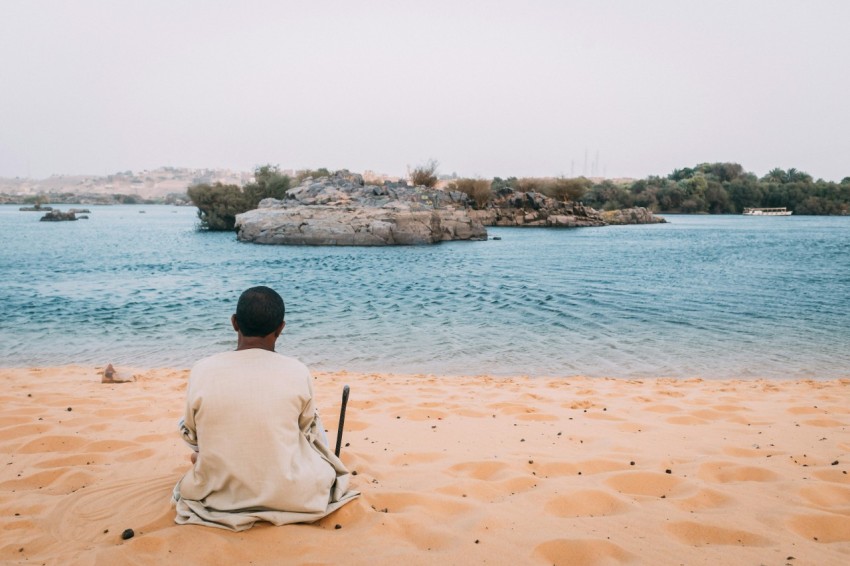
<point x="262" y="452"/>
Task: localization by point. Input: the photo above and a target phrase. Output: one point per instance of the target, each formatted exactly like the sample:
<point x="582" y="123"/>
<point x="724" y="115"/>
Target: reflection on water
<point x="701" y="296"/>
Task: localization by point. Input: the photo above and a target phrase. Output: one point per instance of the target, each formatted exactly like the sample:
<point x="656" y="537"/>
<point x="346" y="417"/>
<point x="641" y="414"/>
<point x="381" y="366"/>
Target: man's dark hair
<point x="259" y="312"/>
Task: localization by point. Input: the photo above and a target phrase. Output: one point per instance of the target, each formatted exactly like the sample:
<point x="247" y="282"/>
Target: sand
<point x="472" y="470"/>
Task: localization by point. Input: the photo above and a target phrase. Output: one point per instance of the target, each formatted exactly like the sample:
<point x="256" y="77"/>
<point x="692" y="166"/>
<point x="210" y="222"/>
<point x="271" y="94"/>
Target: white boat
<point x="768" y="212"/>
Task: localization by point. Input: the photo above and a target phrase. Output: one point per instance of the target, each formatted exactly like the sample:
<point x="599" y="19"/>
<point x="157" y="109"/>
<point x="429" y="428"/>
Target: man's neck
<point x="251" y="342"/>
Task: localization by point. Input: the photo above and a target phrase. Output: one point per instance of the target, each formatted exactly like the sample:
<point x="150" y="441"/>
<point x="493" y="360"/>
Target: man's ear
<point x="234" y="323"/>
<point x="279" y="329"/>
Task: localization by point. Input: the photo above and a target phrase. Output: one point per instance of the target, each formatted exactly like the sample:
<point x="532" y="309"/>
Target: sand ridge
<point x="453" y="470"/>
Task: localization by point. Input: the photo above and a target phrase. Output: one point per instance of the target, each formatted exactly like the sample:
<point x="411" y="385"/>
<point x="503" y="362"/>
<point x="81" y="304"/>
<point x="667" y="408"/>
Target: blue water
<point x="708" y="296"/>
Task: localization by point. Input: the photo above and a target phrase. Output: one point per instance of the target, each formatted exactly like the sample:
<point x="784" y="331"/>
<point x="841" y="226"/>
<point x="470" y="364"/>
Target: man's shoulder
<point x="247" y="357"/>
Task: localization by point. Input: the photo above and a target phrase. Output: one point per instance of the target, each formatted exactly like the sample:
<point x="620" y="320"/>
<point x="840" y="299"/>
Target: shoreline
<point x="477" y="469"/>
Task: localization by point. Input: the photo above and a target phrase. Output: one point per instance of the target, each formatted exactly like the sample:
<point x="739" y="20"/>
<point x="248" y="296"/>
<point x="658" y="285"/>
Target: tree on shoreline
<point x="219" y="204"/>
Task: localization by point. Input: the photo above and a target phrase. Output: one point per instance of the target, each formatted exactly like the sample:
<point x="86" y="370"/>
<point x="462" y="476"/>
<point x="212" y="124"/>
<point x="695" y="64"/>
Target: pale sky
<point x="498" y="88"/>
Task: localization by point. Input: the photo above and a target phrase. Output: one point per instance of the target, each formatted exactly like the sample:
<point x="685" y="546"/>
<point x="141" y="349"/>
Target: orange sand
<point x="453" y="471"/>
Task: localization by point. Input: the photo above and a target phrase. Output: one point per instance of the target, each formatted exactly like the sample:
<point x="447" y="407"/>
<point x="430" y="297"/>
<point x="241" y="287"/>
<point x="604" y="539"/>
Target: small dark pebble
<point x="21" y="549"/>
<point x="663" y="497"/>
<point x="29" y="394"/>
<point x="353" y="472"/>
<point x="668" y="471"/>
<point x="522" y="440"/>
<point x="835" y="463"/>
<point x="632" y="463"/>
<point x="790" y="558"/>
<point x="128" y="534"/>
<point x="476" y="541"/>
<point x="347" y="444"/>
<point x="17" y="514"/>
<point x="337" y="526"/>
<point x="398" y="417"/>
<point x="531" y="461"/>
<point x="105" y="531"/>
<point x="69" y="409"/>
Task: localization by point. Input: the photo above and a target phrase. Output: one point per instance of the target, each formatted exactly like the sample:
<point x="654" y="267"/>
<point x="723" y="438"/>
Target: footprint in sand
<point x="822" y="528"/>
<point x="703" y="499"/>
<point x="644" y="483"/>
<point x="827" y="496"/>
<point x="481" y="470"/>
<point x="56" y="481"/>
<point x="833" y="475"/>
<point x="585" y="503"/>
<point x="582" y="552"/>
<point x="727" y="472"/>
<point x="53" y="443"/>
<point x="432" y="505"/>
<point x="700" y="534"/>
<point x="417" y="458"/>
<point x="487" y="481"/>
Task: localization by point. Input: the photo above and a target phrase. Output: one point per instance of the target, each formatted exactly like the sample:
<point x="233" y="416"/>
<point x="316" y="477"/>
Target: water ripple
<point x="707" y="296"/>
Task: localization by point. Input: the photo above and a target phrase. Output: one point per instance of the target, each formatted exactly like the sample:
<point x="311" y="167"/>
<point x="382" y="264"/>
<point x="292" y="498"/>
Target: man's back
<point x="252" y="415"/>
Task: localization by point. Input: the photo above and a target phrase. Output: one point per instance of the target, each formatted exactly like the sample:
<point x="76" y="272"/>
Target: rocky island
<point x="343" y="210"/>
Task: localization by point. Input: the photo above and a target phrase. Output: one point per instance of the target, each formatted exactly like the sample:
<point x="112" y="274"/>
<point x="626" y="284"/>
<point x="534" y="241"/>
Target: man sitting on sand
<point x="261" y="451"/>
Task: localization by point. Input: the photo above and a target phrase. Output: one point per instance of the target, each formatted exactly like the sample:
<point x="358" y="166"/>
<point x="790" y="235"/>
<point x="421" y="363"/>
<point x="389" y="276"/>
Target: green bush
<point x="269" y="182"/>
<point x="219" y="204"/>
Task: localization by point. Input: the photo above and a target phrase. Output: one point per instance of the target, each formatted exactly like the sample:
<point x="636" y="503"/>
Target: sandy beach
<point x="471" y="470"/>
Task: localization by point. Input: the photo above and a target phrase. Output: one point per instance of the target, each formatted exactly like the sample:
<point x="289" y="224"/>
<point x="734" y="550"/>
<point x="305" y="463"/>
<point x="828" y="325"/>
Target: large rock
<point x="636" y="215"/>
<point x="343" y="211"/>
<point x="515" y="208"/>
<point x="58" y="216"/>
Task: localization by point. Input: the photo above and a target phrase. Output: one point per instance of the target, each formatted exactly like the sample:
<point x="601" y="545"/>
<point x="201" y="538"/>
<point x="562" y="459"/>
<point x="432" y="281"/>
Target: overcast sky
<point x="487" y="88"/>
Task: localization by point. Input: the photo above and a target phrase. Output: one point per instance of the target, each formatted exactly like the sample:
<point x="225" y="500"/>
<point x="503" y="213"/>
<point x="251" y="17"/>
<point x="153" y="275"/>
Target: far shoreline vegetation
<point x="708" y="188"/>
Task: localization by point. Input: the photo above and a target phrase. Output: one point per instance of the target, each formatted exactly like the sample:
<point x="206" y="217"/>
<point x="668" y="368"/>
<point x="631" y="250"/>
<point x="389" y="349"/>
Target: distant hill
<point x="155" y="183"/>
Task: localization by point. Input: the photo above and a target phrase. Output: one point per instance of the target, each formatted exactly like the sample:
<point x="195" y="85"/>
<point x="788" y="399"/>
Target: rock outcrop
<point x="58" y="216"/>
<point x="516" y="208"/>
<point x="636" y="215"/>
<point x="342" y="210"/>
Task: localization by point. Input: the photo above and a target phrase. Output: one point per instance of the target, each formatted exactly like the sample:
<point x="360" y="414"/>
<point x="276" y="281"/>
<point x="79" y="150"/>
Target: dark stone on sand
<point x="337" y="526"/>
<point x="668" y="471"/>
<point x="128" y="534"/>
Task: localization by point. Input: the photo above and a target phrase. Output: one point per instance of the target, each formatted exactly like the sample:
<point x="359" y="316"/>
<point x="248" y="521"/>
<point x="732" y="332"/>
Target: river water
<point x="706" y="296"/>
